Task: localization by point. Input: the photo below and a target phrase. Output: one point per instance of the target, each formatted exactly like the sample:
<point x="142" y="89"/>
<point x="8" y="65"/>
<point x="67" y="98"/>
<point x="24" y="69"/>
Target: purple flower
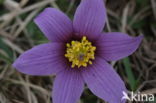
<point x="79" y="53"/>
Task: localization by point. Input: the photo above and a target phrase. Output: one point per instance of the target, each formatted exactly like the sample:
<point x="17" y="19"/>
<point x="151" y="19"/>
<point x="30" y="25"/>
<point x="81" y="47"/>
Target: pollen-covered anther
<point x="80" y="53"/>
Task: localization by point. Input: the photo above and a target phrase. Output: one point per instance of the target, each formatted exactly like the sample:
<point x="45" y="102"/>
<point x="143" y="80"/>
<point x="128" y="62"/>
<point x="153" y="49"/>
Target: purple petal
<point x="114" y="46"/>
<point x="104" y="82"/>
<point x="44" y="59"/>
<point x="54" y="24"/>
<point x="68" y="87"/>
<point x="89" y="18"/>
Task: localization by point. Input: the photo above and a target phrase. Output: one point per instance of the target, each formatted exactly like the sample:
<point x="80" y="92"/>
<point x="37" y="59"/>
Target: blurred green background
<point x="18" y="33"/>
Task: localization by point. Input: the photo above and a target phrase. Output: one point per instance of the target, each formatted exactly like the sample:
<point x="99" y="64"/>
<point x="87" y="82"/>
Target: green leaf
<point x="63" y="4"/>
<point x="129" y="73"/>
<point x="35" y="33"/>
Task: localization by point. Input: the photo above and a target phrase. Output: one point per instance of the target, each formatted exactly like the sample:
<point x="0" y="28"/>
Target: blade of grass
<point x="129" y="73"/>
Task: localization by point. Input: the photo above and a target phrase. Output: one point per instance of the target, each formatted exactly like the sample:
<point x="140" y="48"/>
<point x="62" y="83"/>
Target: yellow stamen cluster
<point x="80" y="53"/>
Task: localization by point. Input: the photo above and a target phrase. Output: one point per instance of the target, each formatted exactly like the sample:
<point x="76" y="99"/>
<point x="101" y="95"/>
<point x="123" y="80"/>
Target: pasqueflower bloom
<point x="78" y="53"/>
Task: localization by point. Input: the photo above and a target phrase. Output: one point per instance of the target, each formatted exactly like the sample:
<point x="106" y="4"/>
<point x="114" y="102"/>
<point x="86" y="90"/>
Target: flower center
<point x="80" y="53"/>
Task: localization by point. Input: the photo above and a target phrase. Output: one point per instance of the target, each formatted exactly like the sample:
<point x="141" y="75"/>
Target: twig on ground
<point x="13" y="46"/>
<point x="24" y="24"/>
